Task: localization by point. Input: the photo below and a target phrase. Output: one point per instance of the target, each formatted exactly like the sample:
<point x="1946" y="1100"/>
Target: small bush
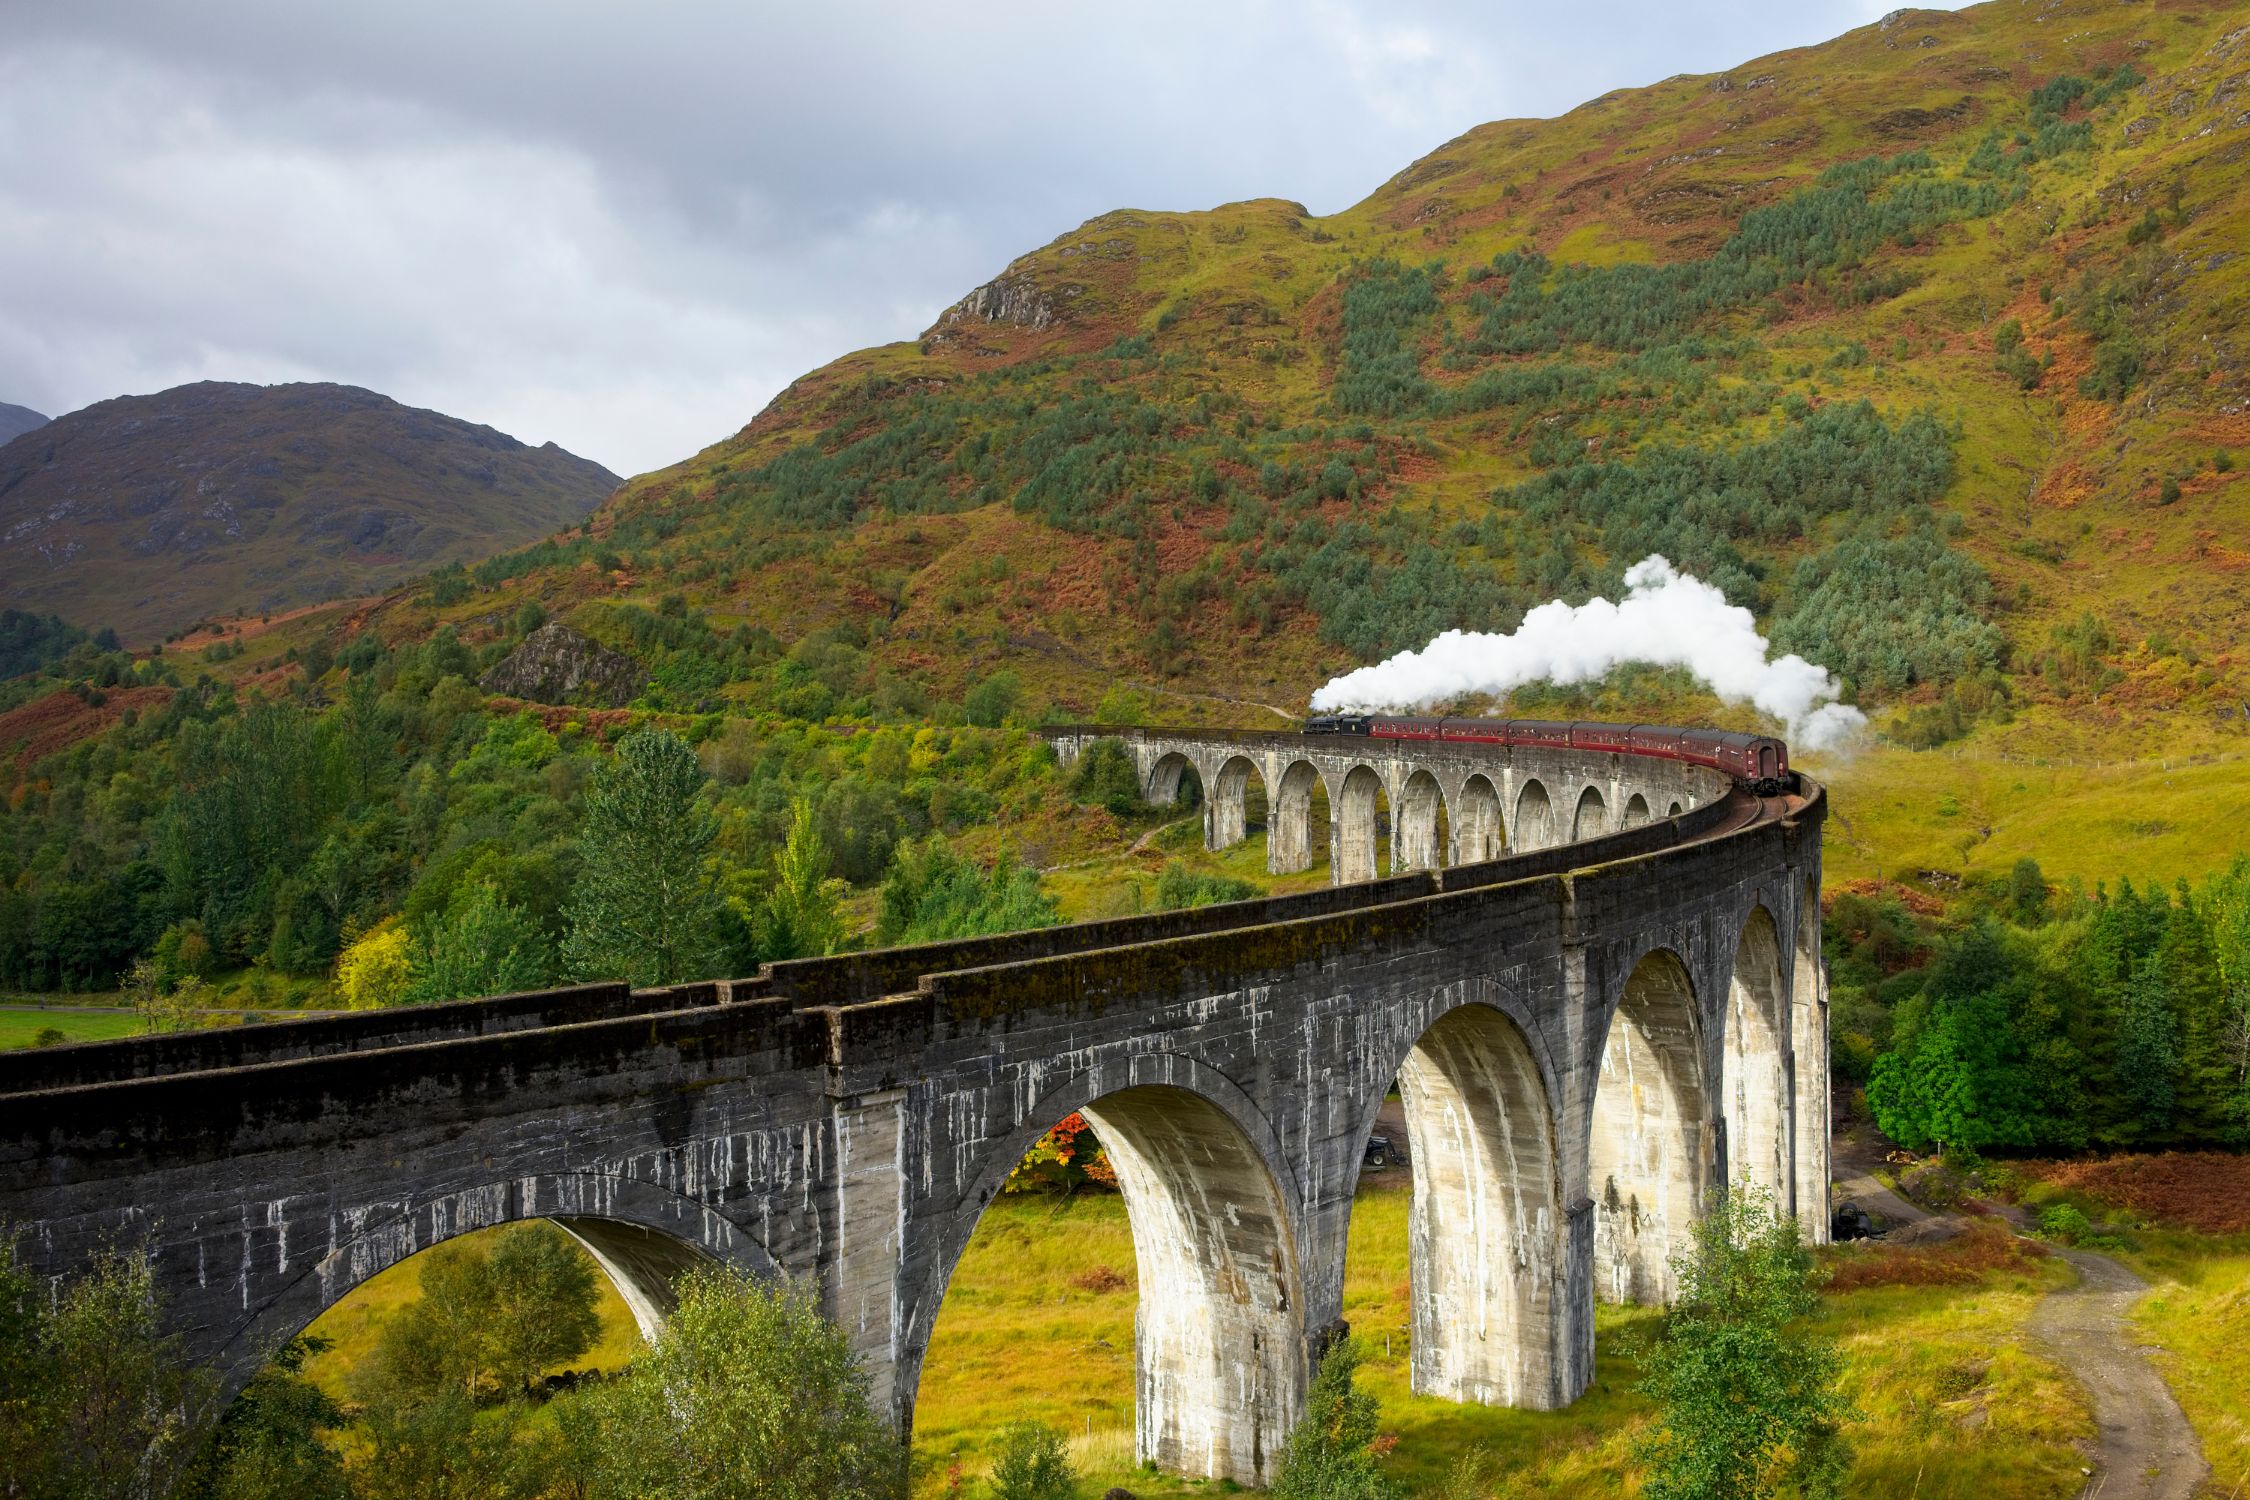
<point x="2064" y="1222"/>
<point x="1032" y="1465"/>
<point x="1180" y="887"/>
<point x="1101" y="1279"/>
<point x="49" y="1036"/>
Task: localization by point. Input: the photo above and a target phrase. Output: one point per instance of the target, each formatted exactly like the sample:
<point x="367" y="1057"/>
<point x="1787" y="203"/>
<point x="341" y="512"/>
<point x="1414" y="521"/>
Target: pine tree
<point x="646" y="907"/>
<point x="803" y="914"/>
<point x="2148" y="1049"/>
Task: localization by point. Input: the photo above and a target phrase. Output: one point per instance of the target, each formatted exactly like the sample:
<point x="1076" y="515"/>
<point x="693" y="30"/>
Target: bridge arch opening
<point x="1646" y="1150"/>
<point x="1757" y="1085"/>
<point x="1673" y="811"/>
<point x="1478" y="834"/>
<point x="1590" y="819"/>
<point x="1298" y="825"/>
<point x="1422" y="825"/>
<point x="1636" y="812"/>
<point x="1238" y="803"/>
<point x="1808" y="1070"/>
<point x="1362" y="819"/>
<point x="636" y="1269"/>
<point x="1173" y="782"/>
<point x="1217" y="1338"/>
<point x="1484" y="1245"/>
<point x="1535" y="818"/>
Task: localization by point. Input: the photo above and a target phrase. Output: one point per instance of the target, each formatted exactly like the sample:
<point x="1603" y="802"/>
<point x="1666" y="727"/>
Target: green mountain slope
<point x="1917" y="342"/>
<point x="149" y="513"/>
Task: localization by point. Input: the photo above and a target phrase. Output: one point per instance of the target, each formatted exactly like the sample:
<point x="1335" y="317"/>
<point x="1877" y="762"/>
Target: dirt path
<point x="2144" y="1448"/>
<point x="1854" y="1160"/>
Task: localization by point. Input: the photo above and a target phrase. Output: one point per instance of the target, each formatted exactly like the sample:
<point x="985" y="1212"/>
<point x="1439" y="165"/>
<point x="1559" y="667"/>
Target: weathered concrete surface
<point x="1559" y="1020"/>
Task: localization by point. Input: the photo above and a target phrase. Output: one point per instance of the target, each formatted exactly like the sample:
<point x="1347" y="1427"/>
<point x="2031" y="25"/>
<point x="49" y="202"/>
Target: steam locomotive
<point x="1758" y="762"/>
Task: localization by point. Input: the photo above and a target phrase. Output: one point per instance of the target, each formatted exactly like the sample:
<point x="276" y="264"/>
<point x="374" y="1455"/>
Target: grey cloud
<point x="623" y="228"/>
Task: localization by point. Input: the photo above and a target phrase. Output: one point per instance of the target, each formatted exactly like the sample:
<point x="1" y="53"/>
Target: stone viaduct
<point x="1603" y="1001"/>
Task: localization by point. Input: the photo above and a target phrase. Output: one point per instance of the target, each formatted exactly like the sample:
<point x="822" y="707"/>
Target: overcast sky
<point x="624" y="227"/>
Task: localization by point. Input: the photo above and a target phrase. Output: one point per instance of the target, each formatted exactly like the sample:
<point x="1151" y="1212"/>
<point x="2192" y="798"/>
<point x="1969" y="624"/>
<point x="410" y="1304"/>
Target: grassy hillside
<point x="1916" y="341"/>
<point x="146" y="514"/>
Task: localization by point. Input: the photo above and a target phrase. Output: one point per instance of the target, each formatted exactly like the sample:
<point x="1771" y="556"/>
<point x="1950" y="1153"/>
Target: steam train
<point x="1756" y="761"/>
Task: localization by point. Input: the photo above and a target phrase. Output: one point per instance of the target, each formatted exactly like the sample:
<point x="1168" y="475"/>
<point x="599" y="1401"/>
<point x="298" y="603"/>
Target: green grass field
<point x="2198" y="1314"/>
<point x="1033" y="1329"/>
<point x="21" y="1028"/>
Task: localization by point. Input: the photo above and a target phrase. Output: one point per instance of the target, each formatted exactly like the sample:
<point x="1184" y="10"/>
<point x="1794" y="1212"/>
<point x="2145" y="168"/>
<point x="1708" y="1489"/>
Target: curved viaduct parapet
<point x="1491" y="799"/>
<point x="847" y="1119"/>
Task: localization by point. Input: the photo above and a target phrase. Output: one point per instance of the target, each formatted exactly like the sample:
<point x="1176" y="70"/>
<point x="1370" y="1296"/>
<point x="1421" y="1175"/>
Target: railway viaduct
<point x="1600" y="996"/>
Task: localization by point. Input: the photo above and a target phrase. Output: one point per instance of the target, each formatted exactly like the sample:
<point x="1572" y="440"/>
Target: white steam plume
<point x="1667" y="619"/>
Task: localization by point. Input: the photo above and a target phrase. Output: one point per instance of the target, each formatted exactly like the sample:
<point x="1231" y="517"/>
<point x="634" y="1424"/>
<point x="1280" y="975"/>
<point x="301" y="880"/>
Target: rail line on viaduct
<point x="1595" y="979"/>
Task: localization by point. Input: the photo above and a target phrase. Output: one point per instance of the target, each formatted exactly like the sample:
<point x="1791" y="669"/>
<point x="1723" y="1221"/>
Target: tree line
<point x="2051" y="1021"/>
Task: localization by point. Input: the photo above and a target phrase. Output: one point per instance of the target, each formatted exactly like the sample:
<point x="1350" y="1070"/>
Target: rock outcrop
<point x="556" y="664"/>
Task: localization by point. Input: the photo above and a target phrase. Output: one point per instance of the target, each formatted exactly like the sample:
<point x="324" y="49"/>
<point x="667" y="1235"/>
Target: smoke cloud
<point x="1667" y="619"/>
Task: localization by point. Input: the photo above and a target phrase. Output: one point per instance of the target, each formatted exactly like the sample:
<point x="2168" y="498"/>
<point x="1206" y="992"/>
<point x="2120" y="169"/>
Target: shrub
<point x="1180" y="887"/>
<point x="2064" y="1222"/>
<point x="1746" y="1398"/>
<point x="1330" y="1455"/>
<point x="990" y="703"/>
<point x="1031" y="1464"/>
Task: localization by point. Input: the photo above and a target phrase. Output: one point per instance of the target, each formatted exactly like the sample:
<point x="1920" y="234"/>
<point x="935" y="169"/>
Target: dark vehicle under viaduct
<point x="1594" y="978"/>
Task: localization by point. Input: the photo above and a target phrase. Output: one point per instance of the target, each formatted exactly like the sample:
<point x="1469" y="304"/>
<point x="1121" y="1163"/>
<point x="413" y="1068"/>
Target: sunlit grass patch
<point x="1038" y="1324"/>
<point x="22" y="1028"/>
<point x="2199" y="1316"/>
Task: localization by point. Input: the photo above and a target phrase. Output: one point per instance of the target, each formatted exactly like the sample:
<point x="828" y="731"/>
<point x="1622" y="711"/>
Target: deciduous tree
<point x="1746" y="1395"/>
<point x="749" y="1393"/>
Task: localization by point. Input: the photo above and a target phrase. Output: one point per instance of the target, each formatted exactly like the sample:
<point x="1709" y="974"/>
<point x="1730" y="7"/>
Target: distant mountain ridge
<point x="148" y="513"/>
<point x="15" y="421"/>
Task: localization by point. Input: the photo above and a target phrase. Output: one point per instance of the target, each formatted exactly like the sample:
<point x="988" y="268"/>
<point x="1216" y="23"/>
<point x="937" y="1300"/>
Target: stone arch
<point x="1535" y="817"/>
<point x="1477" y="825"/>
<point x="641" y="1235"/>
<point x="1420" y="825"/>
<point x="1808" y="1070"/>
<point x="1357" y="832"/>
<point x="1646" y="1148"/>
<point x="1485" y="1229"/>
<point x="1636" y="812"/>
<point x="1227" y="813"/>
<point x="1674" y="810"/>
<point x="1590" y="818"/>
<point x="1757" y="1085"/>
<point x="1290" y="845"/>
<point x="1221" y="1358"/>
<point x="1172" y="781"/>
